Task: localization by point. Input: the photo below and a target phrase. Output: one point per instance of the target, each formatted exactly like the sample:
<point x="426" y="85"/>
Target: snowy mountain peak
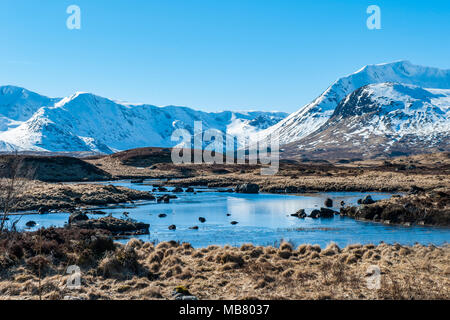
<point x="313" y="115"/>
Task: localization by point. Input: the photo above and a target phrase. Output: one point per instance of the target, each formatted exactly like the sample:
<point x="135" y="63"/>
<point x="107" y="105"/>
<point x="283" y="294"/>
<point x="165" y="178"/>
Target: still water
<point x="263" y="219"/>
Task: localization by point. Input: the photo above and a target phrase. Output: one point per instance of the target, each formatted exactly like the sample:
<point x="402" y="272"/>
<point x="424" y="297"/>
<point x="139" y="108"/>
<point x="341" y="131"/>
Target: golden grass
<point x="144" y="271"/>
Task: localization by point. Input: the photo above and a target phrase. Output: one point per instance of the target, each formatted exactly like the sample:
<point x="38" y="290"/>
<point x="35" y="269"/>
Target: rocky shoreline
<point x="43" y="197"/>
<point x="432" y="208"/>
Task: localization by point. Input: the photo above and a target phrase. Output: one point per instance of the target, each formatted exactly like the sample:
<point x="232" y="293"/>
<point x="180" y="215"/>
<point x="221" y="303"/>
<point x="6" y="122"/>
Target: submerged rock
<point x="247" y="188"/>
<point x="202" y="220"/>
<point x="172" y="227"/>
<point x="162" y="215"/>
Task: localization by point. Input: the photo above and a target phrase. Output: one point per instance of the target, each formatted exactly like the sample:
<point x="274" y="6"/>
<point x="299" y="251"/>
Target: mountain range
<point x="380" y="110"/>
<point x="87" y="122"/>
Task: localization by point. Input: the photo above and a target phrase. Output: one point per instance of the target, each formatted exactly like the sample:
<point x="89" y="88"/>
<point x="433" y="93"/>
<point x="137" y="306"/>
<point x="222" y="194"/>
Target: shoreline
<point x="105" y="196"/>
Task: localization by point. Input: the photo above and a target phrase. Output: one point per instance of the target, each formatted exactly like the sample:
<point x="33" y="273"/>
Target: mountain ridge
<point x="88" y="122"/>
<point x="383" y="119"/>
<point x="312" y="115"/>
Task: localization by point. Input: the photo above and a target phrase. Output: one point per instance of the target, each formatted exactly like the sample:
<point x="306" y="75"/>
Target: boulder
<point x="327" y="213"/>
<point x="202" y="220"/>
<point x="162" y="215"/>
<point x="323" y="213"/>
<point x="234" y="222"/>
<point x="299" y="214"/>
<point x="172" y="227"/>
<point x="78" y="216"/>
<point x="367" y="200"/>
<point x="190" y="189"/>
<point x="328" y="203"/>
<point x="177" y="189"/>
<point x="164" y="198"/>
<point x="314" y="214"/>
<point x="247" y="188"/>
<point x="30" y="224"/>
<point x="162" y="189"/>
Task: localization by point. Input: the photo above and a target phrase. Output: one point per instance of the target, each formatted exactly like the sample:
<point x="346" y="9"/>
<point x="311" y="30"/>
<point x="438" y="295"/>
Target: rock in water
<point x="327" y="213"/>
<point x="314" y="214"/>
<point x="247" y="188"/>
<point x="367" y="200"/>
<point x="299" y="214"/>
<point x="328" y="203"/>
<point x="202" y="220"/>
<point x="164" y="198"/>
<point x="177" y="189"/>
<point x="234" y="222"/>
<point x="78" y="216"/>
<point x="172" y="227"/>
<point x="31" y="224"/>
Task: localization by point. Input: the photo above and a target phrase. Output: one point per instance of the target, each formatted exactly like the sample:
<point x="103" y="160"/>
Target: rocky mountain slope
<point x="385" y="119"/>
<point x="313" y="115"/>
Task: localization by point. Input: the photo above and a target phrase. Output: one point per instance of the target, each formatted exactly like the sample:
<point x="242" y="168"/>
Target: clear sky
<point x="210" y="54"/>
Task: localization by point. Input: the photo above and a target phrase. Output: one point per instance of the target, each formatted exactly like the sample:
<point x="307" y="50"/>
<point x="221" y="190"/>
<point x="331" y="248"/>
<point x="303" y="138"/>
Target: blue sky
<point x="209" y="54"/>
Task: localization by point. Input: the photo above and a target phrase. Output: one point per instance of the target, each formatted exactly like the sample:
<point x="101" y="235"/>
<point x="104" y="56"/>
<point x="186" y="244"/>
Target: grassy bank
<point x="34" y="265"/>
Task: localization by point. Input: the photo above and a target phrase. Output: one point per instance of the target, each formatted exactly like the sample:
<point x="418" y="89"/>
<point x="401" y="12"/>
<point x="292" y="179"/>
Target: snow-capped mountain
<point x="18" y="104"/>
<point x="313" y="115"/>
<point x="381" y="120"/>
<point x="86" y="122"/>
